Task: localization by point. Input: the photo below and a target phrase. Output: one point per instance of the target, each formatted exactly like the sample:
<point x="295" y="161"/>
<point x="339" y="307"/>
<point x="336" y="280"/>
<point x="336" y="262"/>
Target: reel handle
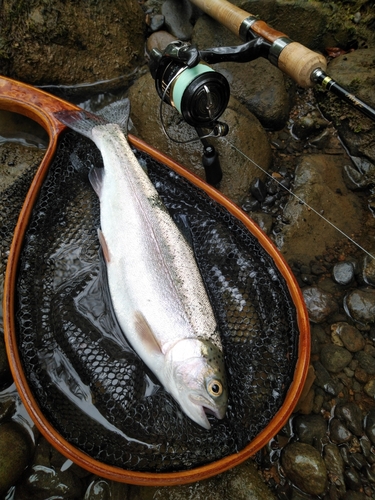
<point x="291" y="57"/>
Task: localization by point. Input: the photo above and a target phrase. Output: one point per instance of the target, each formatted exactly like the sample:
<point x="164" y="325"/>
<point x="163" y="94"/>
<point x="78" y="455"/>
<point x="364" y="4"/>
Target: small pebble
<point x="343" y="273"/>
<point x="319" y="304"/>
<point x="350" y="336"/>
<point x="368" y="270"/>
<point x="311" y="429"/>
<point x="334" y="358"/>
<point x="324" y="380"/>
<point x="352" y="479"/>
<point x="351" y="415"/>
<point x="335" y="466"/>
<point x="369" y="388"/>
<point x="156" y="22"/>
<point x="258" y="189"/>
<point x="360" y="305"/>
<point x="339" y="433"/>
<point x="366" y="361"/>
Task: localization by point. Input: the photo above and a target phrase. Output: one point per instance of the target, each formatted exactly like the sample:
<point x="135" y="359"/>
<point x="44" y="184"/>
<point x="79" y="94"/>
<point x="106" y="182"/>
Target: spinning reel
<point x="185" y="81"/>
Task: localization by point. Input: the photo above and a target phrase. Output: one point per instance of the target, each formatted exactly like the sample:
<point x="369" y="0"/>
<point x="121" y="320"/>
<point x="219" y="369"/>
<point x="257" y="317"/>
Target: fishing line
<point x="300" y="199"/>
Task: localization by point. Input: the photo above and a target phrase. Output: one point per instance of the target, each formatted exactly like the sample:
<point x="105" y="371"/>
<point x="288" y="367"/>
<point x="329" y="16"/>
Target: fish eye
<point x="215" y="388"/>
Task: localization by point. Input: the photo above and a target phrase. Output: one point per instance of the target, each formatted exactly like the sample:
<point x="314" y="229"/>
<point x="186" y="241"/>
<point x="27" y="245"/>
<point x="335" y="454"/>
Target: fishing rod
<point x="200" y="94"/>
<point x="305" y="66"/>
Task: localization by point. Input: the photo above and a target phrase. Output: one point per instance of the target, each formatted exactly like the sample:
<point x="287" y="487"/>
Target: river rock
<point x="370" y="425"/>
<point x="325" y="381"/>
<point x="351" y="415"/>
<point x="338" y="432"/>
<point x="245" y="483"/>
<point x="177" y="17"/>
<point x="366" y="361"/>
<point x="335" y="358"/>
<point x="4" y="365"/>
<point x="368" y="270"/>
<point x="318" y="182"/>
<point x="101" y="489"/>
<point x="354" y="495"/>
<point x="319" y="304"/>
<point x="241" y="483"/>
<point x="68" y="42"/>
<point x="350" y="336"/>
<point x="353" y="479"/>
<point x="311" y="429"/>
<point x="335" y="466"/>
<point x="304" y="466"/>
<point x="267" y="96"/>
<point x="343" y="272"/>
<point x="245" y="132"/>
<point x="159" y="40"/>
<point x="98" y="490"/>
<point x="369" y="388"/>
<point x="15" y="452"/>
<point x="309" y="125"/>
<point x="360" y="305"/>
<point x="355" y="71"/>
<point x="47" y="480"/>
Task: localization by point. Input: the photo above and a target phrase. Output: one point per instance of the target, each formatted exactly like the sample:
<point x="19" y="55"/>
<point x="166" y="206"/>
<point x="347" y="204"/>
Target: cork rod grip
<point x="224" y="12"/>
<point x="299" y="62"/>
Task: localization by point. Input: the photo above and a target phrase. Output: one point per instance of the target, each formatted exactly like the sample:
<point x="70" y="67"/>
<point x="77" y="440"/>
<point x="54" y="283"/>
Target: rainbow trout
<point x="156" y="288"/>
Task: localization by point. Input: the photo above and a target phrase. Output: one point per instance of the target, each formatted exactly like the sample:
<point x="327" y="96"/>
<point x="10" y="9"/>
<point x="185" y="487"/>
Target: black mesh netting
<point x="91" y="386"/>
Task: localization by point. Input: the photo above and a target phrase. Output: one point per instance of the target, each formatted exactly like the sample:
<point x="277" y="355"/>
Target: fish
<point x="156" y="289"/>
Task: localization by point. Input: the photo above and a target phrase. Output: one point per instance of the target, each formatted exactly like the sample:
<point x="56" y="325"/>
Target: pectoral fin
<point x="146" y="334"/>
<point x="104" y="246"/>
<point x="96" y="178"/>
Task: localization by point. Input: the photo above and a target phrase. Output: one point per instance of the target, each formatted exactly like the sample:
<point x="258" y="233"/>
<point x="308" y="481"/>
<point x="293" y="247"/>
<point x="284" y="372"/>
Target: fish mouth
<point x="202" y="410"/>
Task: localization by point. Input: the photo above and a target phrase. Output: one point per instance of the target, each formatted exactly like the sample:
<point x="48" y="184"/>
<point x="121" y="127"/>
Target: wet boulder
<point x="305" y="467"/>
<point x="66" y="42"/>
<point x="355" y="71"/>
<point x="319" y="183"/>
<point x="177" y="17"/>
<point x="15" y="452"/>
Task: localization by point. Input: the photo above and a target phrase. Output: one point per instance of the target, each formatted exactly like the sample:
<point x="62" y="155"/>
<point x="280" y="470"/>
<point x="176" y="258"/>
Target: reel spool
<point x="198" y="92"/>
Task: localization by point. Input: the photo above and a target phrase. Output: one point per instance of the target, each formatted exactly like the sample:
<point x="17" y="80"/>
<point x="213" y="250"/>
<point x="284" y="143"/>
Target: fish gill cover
<point x="89" y="383"/>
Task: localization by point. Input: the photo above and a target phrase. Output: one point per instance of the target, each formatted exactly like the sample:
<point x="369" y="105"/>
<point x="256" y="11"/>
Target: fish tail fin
<point x="80" y="121"/>
<point x="117" y="112"/>
<point x="83" y="121"/>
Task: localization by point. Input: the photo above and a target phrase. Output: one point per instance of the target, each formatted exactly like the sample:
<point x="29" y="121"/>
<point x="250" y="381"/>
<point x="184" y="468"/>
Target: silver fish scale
<point x="166" y="264"/>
